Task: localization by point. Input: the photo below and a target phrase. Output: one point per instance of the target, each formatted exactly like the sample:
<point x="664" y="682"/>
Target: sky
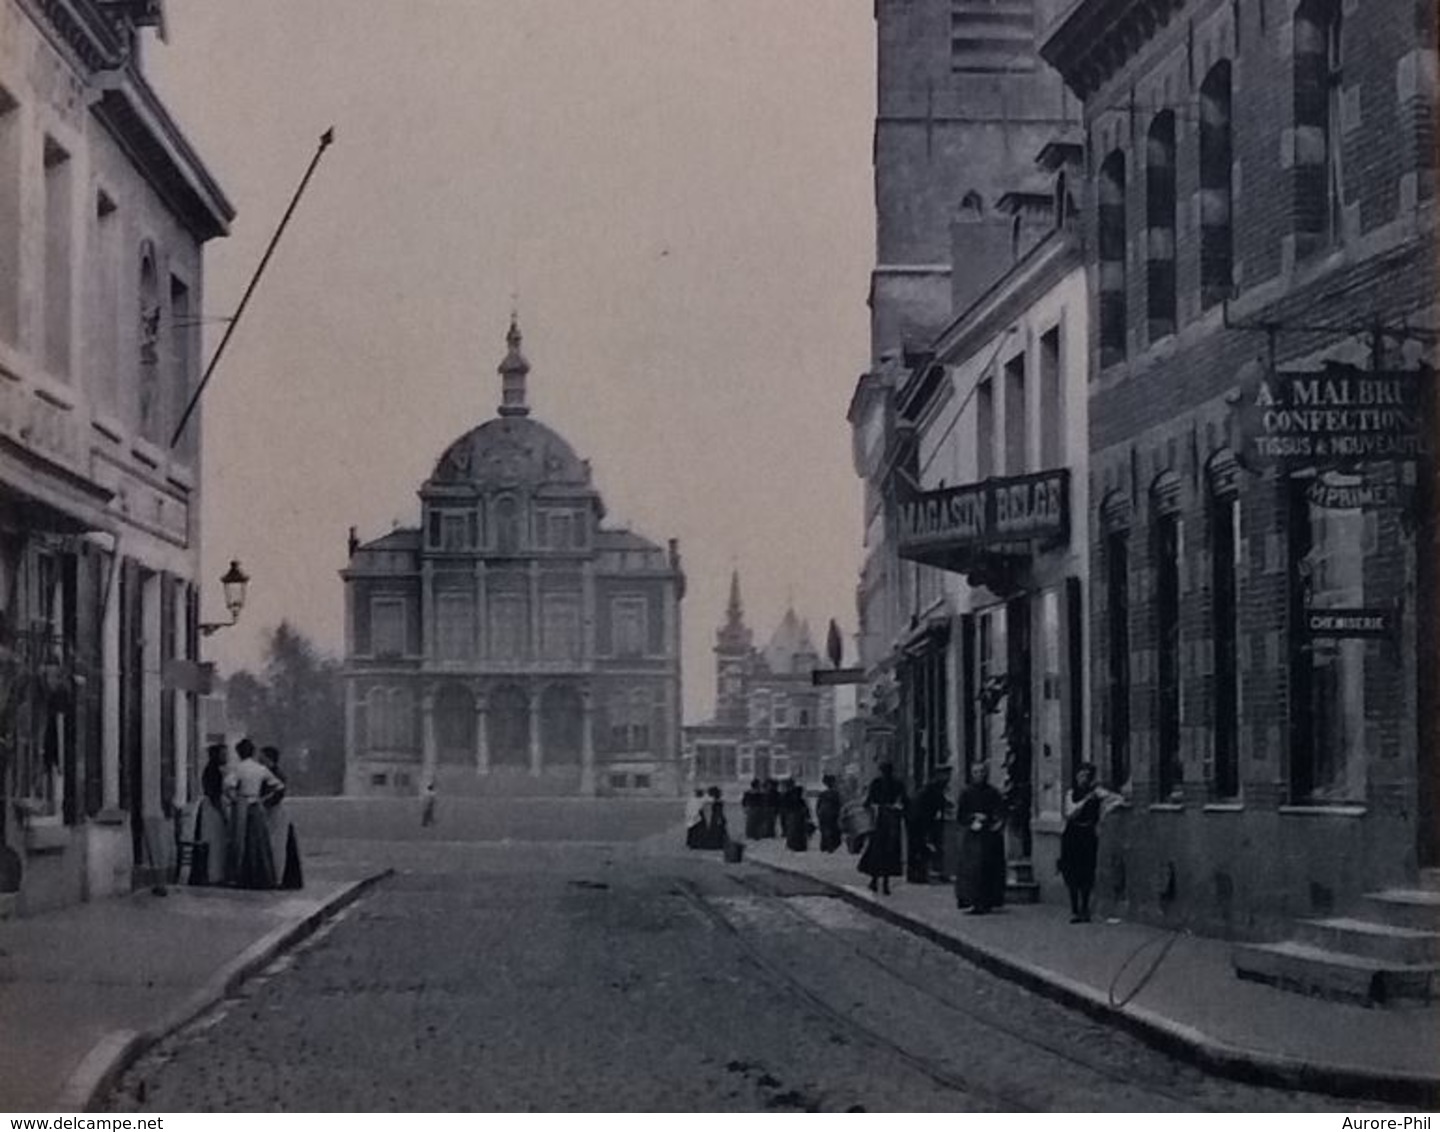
<point x="676" y="194"/>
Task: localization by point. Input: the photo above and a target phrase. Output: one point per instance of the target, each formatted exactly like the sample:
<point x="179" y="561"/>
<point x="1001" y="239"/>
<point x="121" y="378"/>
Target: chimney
<point x="981" y="251"/>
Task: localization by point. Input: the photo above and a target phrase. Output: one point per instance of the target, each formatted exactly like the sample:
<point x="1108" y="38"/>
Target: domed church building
<point x="512" y="644"/>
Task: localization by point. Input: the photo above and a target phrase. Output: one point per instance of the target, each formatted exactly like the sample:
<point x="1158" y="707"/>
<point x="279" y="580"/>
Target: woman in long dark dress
<point x="980" y="883"/>
<point x="284" y="845"/>
<point x="752" y="803"/>
<point x="884" y="853"/>
<point x="212" y="826"/>
<point x="798" y="822"/>
<point x="1085" y="805"/>
<point x="770" y="802"/>
<point x="827" y="815"/>
<point x="251" y="863"/>
<point x="716" y="831"/>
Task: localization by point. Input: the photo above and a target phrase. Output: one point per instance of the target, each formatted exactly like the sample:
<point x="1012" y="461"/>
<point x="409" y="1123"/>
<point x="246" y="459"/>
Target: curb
<point x="120" y="1049"/>
<point x="1252" y="1067"/>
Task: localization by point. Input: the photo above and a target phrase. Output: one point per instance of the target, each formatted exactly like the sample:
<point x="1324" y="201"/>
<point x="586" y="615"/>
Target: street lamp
<point x="233" y="581"/>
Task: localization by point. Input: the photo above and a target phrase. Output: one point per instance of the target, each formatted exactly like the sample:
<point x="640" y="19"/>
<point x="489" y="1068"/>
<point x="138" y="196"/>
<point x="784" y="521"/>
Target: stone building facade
<point x="1260" y="234"/>
<point x="770" y="720"/>
<point x="964" y="105"/>
<point x="104" y="211"/>
<point x="512" y="643"/>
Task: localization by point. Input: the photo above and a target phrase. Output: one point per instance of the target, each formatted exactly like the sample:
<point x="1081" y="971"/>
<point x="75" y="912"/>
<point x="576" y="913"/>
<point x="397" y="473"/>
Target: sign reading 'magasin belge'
<point x="995" y="512"/>
<point x="1335" y="416"/>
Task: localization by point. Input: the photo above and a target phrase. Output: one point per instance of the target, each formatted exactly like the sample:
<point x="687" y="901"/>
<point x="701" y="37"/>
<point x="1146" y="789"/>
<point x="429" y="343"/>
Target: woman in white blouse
<point x="252" y="865"/>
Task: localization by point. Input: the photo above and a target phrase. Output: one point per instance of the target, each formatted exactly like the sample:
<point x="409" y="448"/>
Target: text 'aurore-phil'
<point x="995" y="511"/>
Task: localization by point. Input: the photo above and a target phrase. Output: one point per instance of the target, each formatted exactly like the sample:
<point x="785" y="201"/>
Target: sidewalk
<point x="1193" y="1005"/>
<point x="83" y="990"/>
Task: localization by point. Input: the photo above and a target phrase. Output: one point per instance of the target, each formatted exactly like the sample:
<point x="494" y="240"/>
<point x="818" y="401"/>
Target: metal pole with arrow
<point x="325" y="140"/>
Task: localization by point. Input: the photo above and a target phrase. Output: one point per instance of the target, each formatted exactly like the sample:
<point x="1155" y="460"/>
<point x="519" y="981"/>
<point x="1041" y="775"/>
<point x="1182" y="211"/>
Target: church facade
<point x="770" y="720"/>
<point x="512" y="643"/>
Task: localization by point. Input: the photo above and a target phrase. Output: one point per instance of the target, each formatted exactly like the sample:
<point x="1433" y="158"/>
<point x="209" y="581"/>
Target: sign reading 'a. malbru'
<point x="994" y="512"/>
<point x="1338" y="415"/>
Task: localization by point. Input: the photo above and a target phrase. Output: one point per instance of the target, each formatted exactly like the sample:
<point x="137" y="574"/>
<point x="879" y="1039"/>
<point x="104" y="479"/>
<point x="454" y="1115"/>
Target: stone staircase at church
<point x="1387" y="952"/>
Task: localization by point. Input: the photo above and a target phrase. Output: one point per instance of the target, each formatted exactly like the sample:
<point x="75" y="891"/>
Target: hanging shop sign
<point x="1350" y="623"/>
<point x="1001" y="511"/>
<point x="1338" y="415"/>
<point x="1357" y="493"/>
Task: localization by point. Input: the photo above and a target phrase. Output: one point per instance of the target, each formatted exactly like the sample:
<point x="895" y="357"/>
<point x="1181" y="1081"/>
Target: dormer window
<point x="452" y="530"/>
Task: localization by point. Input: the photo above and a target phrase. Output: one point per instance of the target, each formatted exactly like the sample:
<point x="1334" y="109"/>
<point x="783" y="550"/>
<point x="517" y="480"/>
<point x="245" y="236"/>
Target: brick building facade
<point x="1259" y="195"/>
<point x="512" y="643"/>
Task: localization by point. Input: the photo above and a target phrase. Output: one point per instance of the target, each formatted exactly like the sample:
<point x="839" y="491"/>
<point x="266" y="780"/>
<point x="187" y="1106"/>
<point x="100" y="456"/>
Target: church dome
<point x="509" y="451"/>
<point x="513" y="448"/>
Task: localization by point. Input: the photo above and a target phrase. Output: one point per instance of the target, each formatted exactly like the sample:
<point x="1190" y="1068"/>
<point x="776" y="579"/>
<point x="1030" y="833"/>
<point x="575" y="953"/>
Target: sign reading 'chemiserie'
<point x="992" y="512"/>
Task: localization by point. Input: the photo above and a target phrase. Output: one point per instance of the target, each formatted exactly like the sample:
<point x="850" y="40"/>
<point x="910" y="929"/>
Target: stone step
<point x="1371" y="940"/>
<point x="1323" y="973"/>
<point x="1022" y="892"/>
<point x="1430" y="880"/>
<point x="1417" y="908"/>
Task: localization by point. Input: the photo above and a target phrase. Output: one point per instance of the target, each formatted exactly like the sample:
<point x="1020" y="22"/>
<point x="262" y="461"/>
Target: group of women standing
<point x="981" y="815"/>
<point x="786" y="806"/>
<point x="243" y="835"/>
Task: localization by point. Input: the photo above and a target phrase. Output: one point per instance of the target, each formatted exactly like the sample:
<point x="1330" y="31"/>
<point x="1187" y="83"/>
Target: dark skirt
<point x="695" y="835"/>
<point x="293" y="874"/>
<point x="250" y="848"/>
<point x="1079" y="846"/>
<point x="883" y="855"/>
<point x="980" y="883"/>
<point x="797" y="831"/>
<point x="829" y="835"/>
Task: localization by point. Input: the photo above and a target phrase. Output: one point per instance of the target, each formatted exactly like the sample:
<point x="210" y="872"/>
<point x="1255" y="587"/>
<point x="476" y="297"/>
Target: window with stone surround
<point x="509" y="630"/>
<point x="1317" y="150"/>
<point x="560" y="626"/>
<point x="1224" y="626"/>
<point x="387" y="626"/>
<point x="1166" y="544"/>
<point x="59" y="271"/>
<point x="454" y="625"/>
<point x="1051" y="402"/>
<point x="1217" y="234"/>
<point x="629" y="621"/>
<point x="1117" y="624"/>
<point x="1112" y="239"/>
<point x="1160" y="226"/>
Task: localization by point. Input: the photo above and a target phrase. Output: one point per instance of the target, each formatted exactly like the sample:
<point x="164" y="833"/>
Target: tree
<point x="297" y="705"/>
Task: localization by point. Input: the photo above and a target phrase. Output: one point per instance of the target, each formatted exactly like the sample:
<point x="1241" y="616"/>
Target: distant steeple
<point x="512" y="374"/>
<point x="733" y="636"/>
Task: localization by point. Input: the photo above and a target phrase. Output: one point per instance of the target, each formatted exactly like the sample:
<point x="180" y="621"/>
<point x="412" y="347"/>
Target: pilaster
<point x="535" y="757"/>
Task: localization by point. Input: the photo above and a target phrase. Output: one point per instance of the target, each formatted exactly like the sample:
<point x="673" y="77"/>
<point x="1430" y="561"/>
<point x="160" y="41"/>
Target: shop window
<point x="1166" y="551"/>
<point x="1112" y="234"/>
<point x="1329" y="763"/>
<point x="1160" y="226"/>
<point x="379" y="779"/>
<point x="1317" y="171"/>
<point x="642" y="782"/>
<point x="1224" y="626"/>
<point x="1217" y="235"/>
<point x="59" y="222"/>
<point x="619" y="781"/>
<point x="1117" y="594"/>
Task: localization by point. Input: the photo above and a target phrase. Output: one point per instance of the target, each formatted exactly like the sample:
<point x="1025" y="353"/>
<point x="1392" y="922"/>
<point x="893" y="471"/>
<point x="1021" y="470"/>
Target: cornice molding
<point x="88" y="36"/>
<point x="1098" y="37"/>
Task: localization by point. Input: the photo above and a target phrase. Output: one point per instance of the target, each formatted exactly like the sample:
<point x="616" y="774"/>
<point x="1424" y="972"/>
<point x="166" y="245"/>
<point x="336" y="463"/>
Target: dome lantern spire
<point x="513" y="371"/>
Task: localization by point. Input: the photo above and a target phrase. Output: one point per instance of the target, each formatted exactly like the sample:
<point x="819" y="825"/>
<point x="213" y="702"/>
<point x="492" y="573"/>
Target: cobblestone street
<point x="635" y="977"/>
